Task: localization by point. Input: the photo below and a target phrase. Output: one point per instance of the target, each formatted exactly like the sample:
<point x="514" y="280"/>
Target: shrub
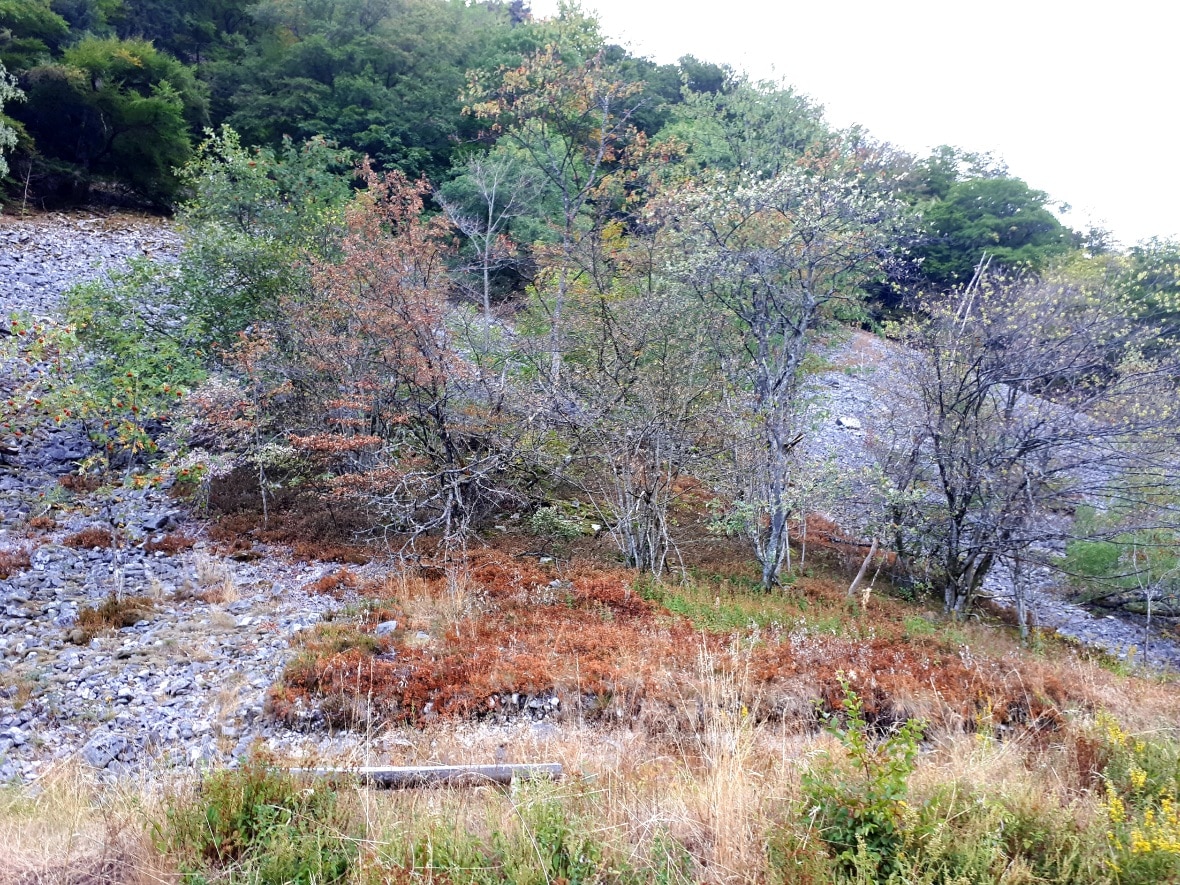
<point x="858" y="806"/>
<point x="265" y="824"/>
<point x="12" y="561"/>
<point x="169" y="544"/>
<point x="551" y="522"/>
<point x="87" y="538"/>
<point x="114" y="613"/>
<point x="1142" y="781"/>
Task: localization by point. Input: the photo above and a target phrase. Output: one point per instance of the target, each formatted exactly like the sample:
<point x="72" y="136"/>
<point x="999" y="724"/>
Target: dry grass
<point x="113" y="614"/>
<point x="215" y="579"/>
<point x="169" y="544"/>
<point x="725" y="807"/>
<point x="71" y="831"/>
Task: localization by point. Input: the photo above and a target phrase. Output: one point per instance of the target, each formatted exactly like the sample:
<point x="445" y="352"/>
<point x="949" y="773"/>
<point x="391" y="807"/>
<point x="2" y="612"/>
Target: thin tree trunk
<point x="864" y="567"/>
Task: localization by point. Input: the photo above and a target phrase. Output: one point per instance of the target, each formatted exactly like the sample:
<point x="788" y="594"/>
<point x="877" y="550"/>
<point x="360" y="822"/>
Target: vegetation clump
<point x="259" y="824"/>
<point x="115" y="613"/>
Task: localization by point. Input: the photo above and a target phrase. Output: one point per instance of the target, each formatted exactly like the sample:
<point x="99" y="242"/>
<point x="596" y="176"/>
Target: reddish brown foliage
<point x="12" y="561"/>
<point x="607" y="652"/>
<point x="76" y="483"/>
<point x="113" y="614"/>
<point x="334" y="584"/>
<point x="590" y="637"/>
<point x="44" y="522"/>
<point x="170" y="544"/>
<point x="92" y="536"/>
<point x="314" y="527"/>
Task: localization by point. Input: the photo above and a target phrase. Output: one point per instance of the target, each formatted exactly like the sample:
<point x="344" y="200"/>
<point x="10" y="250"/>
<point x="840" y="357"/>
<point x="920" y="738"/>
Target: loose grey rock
<point x="104" y="748"/>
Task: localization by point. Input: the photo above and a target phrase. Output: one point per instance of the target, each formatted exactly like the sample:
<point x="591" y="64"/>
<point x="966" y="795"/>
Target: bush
<point x="552" y="523"/>
<point x="114" y="613"/>
<point x="264" y="824"/>
<point x="1142" y="782"/>
<point x="858" y="804"/>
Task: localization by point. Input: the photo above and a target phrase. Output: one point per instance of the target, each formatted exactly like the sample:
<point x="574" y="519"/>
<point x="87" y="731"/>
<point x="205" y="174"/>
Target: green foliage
<point x="563" y="849"/>
<point x="292" y="194"/>
<point x="116" y="108"/>
<point x="252" y="219"/>
<point x="554" y="523"/>
<point x="1121" y="551"/>
<point x="1003" y="217"/>
<point x="382" y="78"/>
<point x="544" y="835"/>
<point x="932" y="177"/>
<point x="8" y="94"/>
<point x="1142" y="778"/>
<point x="263" y="824"/>
<point x="760" y="128"/>
<point x="1153" y="282"/>
<point x="858" y="807"/>
<point x="97" y="17"/>
<point x="29" y="30"/>
<point x="196" y="31"/>
<point x="120" y="394"/>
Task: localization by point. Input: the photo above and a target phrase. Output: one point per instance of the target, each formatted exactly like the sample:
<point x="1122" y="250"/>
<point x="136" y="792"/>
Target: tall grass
<point x="734" y="802"/>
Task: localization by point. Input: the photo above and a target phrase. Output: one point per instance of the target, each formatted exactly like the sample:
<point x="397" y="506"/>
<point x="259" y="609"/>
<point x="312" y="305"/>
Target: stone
<point x="102" y="749"/>
<point x="385" y="628"/>
<point x="848" y="423"/>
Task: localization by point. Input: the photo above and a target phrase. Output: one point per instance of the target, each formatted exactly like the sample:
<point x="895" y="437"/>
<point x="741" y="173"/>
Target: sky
<point x="1080" y="100"/>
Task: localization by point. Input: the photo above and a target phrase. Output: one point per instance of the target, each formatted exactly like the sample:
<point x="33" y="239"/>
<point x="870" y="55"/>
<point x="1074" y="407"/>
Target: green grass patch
<point x="723" y="607"/>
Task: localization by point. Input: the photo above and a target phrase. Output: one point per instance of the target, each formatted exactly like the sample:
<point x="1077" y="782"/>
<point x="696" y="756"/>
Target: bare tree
<point x="1026" y="400"/>
<point x="778" y="258"/>
<point x="493" y="190"/>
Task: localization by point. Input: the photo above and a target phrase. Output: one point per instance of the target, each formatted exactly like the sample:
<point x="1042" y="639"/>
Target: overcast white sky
<point x="1079" y="98"/>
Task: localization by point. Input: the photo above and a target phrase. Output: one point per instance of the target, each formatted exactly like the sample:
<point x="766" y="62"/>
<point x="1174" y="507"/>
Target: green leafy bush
<point x="858" y="802"/>
<point x="551" y="522"/>
<point x="260" y="825"/>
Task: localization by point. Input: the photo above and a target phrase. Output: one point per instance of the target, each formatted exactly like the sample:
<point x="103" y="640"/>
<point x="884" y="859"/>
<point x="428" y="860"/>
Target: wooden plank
<point x="412" y="776"/>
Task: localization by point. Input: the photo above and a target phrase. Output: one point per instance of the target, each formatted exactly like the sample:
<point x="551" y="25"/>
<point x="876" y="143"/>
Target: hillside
<point x="684" y="711"/>
<point x="457" y="388"/>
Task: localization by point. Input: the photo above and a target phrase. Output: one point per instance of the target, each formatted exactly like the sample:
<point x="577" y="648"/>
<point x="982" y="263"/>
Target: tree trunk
<point x="864" y="567"/>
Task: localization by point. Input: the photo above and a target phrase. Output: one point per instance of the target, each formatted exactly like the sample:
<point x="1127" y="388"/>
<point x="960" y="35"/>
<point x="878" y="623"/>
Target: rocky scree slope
<point x="184" y="684"/>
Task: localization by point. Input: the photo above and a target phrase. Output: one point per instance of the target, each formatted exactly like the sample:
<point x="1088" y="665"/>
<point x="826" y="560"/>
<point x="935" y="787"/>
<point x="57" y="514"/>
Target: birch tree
<point x="493" y="190"/>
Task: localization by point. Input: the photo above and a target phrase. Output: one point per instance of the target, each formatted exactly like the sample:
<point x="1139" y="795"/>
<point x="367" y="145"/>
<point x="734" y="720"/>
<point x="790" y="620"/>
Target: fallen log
<point x="414" y="776"/>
